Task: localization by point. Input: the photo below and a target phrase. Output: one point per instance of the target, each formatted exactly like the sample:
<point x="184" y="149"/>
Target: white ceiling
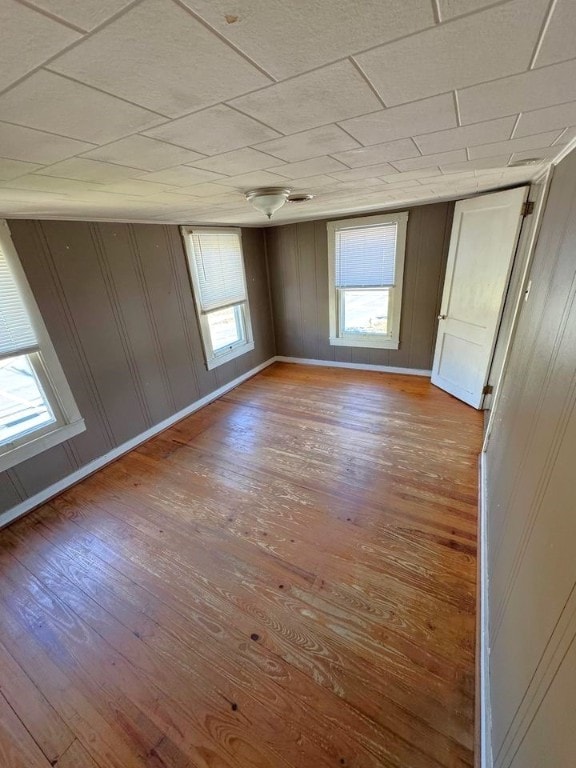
<point x="168" y="110"/>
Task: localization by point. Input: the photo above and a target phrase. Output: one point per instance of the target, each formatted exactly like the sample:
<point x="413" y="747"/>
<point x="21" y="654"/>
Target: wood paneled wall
<point x="117" y="303"/>
<point x="531" y="506"/>
<point x="298" y="259"/>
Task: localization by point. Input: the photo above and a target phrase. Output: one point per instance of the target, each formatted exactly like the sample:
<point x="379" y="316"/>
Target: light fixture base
<point x="268" y="200"/>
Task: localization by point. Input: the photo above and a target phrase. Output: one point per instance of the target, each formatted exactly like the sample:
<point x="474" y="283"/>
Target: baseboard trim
<point x="354" y="366"/>
<point x="88" y="469"/>
<point x="484" y="737"/>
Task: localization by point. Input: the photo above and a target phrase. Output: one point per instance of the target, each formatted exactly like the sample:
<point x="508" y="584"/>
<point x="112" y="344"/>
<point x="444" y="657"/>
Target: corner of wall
<point x="483" y="717"/>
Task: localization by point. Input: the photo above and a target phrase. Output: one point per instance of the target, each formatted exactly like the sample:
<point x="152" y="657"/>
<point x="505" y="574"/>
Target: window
<point x="366" y="265"/>
<point x="219" y="283"/>
<point x="37" y="409"/>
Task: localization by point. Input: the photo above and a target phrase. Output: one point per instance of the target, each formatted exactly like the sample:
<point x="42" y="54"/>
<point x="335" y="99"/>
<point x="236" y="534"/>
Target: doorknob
<point x="441" y="317"/>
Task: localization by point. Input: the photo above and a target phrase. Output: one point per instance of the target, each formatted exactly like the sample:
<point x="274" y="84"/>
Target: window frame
<point x="44" y="361"/>
<point x="214" y="358"/>
<point x="391" y="340"/>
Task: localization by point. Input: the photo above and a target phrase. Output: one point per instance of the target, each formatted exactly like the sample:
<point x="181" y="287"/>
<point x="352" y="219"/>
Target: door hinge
<point x="488" y="389"/>
<point x="528" y="208"/>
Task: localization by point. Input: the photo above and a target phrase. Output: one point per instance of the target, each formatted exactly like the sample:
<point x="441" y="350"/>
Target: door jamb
<point x="539" y="189"/>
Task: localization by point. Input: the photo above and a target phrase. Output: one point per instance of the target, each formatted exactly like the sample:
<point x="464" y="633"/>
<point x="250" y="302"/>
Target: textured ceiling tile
<point x="289" y="38"/>
<point x="449" y="9"/>
<point x="86" y="14"/>
<point x="360" y="189"/>
<point x="541" y="120"/>
<point x="403" y="184"/>
<point x="379" y="153"/>
<point x="162" y="58"/>
<point x="558" y="43"/>
<point x="303" y="146"/>
<point x="458" y="138"/>
<point x="494" y="43"/>
<point x="364" y="172"/>
<point x="531" y="90"/>
<point x="214" y="131"/>
<point x="473" y="165"/>
<point x="19" y="143"/>
<point x="407" y="120"/>
<point x="27" y="39"/>
<point x="12" y="169"/>
<point x="53" y="184"/>
<point x="311" y="182"/>
<point x="255" y="179"/>
<point x="180" y="176"/>
<point x="317" y="165"/>
<point x="431" y="160"/>
<point x="49" y="102"/>
<point x="543" y="153"/>
<point x="113" y="202"/>
<point x="409" y="175"/>
<point x="332" y="93"/>
<point x="89" y="170"/>
<point x="514" y="145"/>
<point x="208" y="189"/>
<point x="24" y="195"/>
<point x="231" y="196"/>
<point x="237" y="162"/>
<point x="142" y="152"/>
<point x="135" y="187"/>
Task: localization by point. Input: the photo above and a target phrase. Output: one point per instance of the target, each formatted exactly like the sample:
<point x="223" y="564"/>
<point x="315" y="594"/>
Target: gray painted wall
<point x="531" y="507"/>
<point x="298" y="260"/>
<point x="117" y="303"/>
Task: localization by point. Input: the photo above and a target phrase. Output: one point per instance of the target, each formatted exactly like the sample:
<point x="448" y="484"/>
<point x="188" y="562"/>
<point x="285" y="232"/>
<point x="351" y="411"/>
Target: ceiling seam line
<point x="108" y="93"/>
<point x="256" y="119"/>
<point x="543" y="29"/>
<point x="369" y="82"/>
<point x="457" y="108"/>
<point x="227" y="42"/>
<point x="53" y="17"/>
<point x="72" y="45"/>
<point x="515" y="126"/>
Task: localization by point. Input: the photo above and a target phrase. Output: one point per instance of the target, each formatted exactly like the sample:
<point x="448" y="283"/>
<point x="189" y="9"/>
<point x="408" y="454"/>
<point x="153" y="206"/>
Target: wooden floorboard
<point x="284" y="579"/>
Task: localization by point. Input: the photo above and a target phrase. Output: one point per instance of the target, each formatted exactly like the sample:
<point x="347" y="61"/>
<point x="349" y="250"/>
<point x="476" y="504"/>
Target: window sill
<point x="225" y="357"/>
<point x="34" y="446"/>
<point x="370" y="343"/>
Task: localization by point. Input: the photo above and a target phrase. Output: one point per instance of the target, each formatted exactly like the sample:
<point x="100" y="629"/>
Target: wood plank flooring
<point x="284" y="579"/>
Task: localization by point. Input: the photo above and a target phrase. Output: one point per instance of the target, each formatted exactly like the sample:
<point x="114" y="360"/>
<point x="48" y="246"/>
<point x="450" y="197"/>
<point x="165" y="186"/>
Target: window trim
<point x="211" y="358"/>
<point x="376" y="341"/>
<point x="68" y="422"/>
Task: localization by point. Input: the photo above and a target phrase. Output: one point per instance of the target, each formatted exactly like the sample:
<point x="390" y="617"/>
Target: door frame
<point x="526" y="186"/>
<point x="528" y="238"/>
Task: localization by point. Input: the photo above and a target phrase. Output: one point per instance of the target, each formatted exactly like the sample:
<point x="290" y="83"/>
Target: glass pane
<point x="226" y="327"/>
<point x="23" y="406"/>
<point x="365" y="312"/>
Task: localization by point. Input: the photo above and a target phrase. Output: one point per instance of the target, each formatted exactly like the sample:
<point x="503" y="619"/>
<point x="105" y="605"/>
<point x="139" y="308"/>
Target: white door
<point x="482" y="246"/>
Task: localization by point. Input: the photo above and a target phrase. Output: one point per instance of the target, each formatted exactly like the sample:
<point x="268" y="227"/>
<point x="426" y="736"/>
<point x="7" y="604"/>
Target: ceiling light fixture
<point x="268" y="200"/>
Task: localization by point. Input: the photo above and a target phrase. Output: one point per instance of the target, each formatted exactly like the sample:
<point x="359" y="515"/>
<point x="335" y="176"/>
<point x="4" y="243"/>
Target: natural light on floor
<point x="22" y="403"/>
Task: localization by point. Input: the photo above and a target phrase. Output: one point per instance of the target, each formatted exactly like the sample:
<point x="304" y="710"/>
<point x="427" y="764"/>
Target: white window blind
<point x="366" y="256"/>
<point x="16" y="333"/>
<point x="217" y="261"/>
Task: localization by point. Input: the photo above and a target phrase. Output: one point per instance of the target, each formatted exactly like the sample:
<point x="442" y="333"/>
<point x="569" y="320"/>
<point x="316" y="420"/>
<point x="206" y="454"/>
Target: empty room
<point x="287" y="384"/>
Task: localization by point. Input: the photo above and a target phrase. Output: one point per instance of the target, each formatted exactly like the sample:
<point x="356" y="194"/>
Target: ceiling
<point x="169" y="110"/>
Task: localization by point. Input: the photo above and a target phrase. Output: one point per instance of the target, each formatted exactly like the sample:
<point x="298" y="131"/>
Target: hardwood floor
<point x="286" y="578"/>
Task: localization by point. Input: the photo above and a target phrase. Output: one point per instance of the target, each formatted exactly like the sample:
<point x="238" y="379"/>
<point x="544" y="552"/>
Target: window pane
<point x="365" y="312"/>
<point x="226" y="327"/>
<point x="23" y="406"/>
